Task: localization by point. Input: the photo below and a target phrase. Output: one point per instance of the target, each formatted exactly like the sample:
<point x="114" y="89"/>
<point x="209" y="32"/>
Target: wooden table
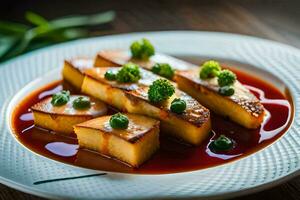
<point x="275" y="20"/>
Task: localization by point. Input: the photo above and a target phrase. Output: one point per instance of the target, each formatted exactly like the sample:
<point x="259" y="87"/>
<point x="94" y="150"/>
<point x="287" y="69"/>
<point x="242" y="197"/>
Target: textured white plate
<point x="20" y="168"/>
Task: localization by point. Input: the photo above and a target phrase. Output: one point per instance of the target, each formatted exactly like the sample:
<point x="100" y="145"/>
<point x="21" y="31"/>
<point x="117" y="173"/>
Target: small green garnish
<point x="60" y="98"/>
<point x="110" y="75"/>
<point x="81" y="103"/>
<point x="160" y="90"/>
<point x="226" y="78"/>
<point x="142" y="49"/>
<point x="129" y="73"/>
<point x="178" y="106"/>
<point x="222" y="143"/>
<point x="19" y="38"/>
<point x="226" y="90"/>
<point x="163" y="69"/>
<point x="210" y="69"/>
<point x="119" y="121"/>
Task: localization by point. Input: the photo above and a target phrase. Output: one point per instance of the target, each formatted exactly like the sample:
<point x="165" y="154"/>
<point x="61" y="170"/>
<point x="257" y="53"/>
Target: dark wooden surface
<point x="275" y="20"/>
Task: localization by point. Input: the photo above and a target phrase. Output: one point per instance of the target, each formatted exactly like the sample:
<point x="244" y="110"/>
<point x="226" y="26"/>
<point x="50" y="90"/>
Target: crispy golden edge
<point x="56" y="114"/>
<point x="134" y="98"/>
<point x="101" y="61"/>
<point x="254" y="110"/>
<point x="132" y="140"/>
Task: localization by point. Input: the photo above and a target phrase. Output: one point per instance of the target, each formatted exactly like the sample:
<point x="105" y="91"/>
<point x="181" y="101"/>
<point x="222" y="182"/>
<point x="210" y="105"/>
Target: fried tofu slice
<point x="61" y="119"/>
<point x="112" y="58"/>
<point x="242" y="107"/>
<point x="133" y="145"/>
<point x="73" y="71"/>
<point x="193" y="126"/>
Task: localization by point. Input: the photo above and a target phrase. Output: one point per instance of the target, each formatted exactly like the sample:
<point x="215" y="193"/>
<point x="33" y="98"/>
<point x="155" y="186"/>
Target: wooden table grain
<point x="271" y="19"/>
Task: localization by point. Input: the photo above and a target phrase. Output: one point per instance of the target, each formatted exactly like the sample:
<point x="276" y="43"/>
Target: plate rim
<point x="260" y="187"/>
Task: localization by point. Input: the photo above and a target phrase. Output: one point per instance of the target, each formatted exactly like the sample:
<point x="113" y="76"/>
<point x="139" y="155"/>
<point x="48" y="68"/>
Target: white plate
<point x="20" y="168"/>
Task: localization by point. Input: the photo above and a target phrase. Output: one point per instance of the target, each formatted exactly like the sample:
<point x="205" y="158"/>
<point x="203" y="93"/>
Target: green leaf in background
<point x="58" y="36"/>
<point x="36" y="19"/>
<point x="70" y="34"/>
<point x="6" y="43"/>
<point x="39" y="44"/>
<point x="62" y="35"/>
<point x="19" y="38"/>
<point x="21" y="46"/>
<point x="12" y="28"/>
<point x="80" y="20"/>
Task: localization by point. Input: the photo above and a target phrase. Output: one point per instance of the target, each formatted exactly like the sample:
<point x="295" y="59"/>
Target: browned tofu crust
<point x="195" y="113"/>
<point x="111" y="58"/>
<point x="138" y="127"/>
<point x="242" y="96"/>
<point x="97" y="107"/>
<point x="80" y="64"/>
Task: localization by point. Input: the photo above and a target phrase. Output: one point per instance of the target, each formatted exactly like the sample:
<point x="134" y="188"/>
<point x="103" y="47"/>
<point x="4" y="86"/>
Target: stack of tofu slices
<point x="140" y="139"/>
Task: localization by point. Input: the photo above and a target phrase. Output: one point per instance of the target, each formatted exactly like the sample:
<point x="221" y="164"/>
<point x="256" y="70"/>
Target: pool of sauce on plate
<point x="172" y="156"/>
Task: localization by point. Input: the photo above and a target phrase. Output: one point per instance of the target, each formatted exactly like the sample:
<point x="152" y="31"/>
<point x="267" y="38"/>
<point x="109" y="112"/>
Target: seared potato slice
<point x="73" y="71"/>
<point x="193" y="126"/>
<point x="242" y="107"/>
<point x="133" y="145"/>
<point x="61" y="119"/>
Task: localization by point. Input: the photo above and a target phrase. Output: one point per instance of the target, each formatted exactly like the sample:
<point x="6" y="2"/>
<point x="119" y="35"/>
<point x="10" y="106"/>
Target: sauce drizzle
<point x="265" y="134"/>
<point x="173" y="156"/>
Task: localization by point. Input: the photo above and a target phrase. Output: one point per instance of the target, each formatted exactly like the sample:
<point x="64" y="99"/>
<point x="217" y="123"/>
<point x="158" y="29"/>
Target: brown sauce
<point x="172" y="156"/>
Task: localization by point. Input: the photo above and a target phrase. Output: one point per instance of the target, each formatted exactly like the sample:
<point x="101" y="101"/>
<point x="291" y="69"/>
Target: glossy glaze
<point x="173" y="156"/>
<point x="97" y="107"/>
<point x="138" y="126"/>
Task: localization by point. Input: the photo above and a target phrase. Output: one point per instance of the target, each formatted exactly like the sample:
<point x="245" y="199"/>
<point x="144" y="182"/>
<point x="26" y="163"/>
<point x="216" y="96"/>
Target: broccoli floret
<point x="60" y="98"/>
<point x="226" y="90"/>
<point x="178" y="106"/>
<point x="163" y="69"/>
<point x="226" y="78"/>
<point x="142" y="49"/>
<point x="160" y="90"/>
<point x="210" y="69"/>
<point x="129" y="73"/>
<point x="110" y="75"/>
<point x="81" y="103"/>
<point x="119" y="121"/>
<point x="222" y="143"/>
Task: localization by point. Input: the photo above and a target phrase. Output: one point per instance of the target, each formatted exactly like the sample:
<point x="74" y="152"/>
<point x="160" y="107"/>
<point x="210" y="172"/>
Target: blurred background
<point x="271" y="19"/>
<point x="22" y="31"/>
